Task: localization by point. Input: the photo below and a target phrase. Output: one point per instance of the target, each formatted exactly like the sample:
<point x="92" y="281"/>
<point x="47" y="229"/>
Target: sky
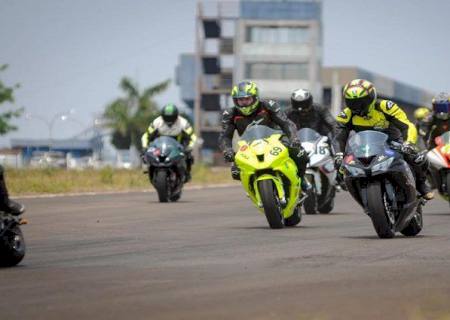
<point x="71" y="55"/>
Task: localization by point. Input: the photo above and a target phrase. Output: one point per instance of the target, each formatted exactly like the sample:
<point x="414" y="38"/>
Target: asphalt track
<point x="212" y="256"/>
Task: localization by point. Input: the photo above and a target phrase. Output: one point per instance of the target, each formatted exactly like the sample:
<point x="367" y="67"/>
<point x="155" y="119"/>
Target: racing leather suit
<point x="434" y="128"/>
<point x="268" y="113"/>
<point x="318" y="118"/>
<point x="181" y="130"/>
<point x="388" y="117"/>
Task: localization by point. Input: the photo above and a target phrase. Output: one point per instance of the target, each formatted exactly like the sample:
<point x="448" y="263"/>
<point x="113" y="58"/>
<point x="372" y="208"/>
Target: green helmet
<point x="360" y="96"/>
<point x="245" y="89"/>
<point x="169" y="113"/>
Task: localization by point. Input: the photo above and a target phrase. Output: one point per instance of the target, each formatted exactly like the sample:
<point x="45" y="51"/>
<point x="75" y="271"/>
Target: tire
<point x="175" y="197"/>
<point x="12" y="247"/>
<point x="310" y="203"/>
<point x="161" y="185"/>
<point x="328" y="206"/>
<point x="270" y="204"/>
<point x="377" y="210"/>
<point x="447" y="180"/>
<point x="415" y="225"/>
<point x="294" y="219"/>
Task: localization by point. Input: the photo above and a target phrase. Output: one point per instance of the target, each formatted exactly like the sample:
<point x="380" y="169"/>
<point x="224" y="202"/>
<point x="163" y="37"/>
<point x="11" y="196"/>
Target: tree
<point x="7" y="96"/>
<point x="129" y="116"/>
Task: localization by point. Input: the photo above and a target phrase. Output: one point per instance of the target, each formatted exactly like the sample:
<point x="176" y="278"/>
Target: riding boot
<point x="235" y="172"/>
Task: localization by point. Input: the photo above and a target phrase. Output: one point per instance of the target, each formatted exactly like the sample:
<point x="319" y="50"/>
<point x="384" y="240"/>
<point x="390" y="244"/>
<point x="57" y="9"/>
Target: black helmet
<point x="169" y="113"/>
<point x="301" y="100"/>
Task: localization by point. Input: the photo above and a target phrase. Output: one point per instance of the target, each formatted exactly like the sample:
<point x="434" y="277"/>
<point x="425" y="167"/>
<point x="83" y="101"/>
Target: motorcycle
<point x="166" y="163"/>
<point x="269" y="175"/>
<point x="320" y="172"/>
<point x="439" y="159"/>
<point x="381" y="181"/>
<point x="12" y="242"/>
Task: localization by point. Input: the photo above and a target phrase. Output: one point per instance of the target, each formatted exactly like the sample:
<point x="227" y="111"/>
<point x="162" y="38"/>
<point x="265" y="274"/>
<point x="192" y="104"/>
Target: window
<point x="282" y="71"/>
<point x="277" y="34"/>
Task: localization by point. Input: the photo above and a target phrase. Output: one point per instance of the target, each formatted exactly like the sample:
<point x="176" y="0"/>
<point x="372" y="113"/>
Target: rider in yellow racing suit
<point x="364" y="111"/>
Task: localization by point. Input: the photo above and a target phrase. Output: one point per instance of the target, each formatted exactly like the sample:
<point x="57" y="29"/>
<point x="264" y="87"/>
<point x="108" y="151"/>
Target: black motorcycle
<point x="166" y="163"/>
<point x="381" y="181"/>
<point x="12" y="243"/>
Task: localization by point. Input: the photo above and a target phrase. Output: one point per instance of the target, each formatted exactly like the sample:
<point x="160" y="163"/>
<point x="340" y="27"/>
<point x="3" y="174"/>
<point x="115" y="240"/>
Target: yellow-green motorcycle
<point x="269" y="175"/>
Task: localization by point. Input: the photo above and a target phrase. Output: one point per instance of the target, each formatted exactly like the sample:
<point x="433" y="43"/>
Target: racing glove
<point x="409" y="148"/>
<point x="228" y="155"/>
<point x="338" y="159"/>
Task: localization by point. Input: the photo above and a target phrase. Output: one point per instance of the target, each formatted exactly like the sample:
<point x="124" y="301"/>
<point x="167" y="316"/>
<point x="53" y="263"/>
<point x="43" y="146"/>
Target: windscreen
<point x="257" y="132"/>
<point x="308" y="135"/>
<point x="367" y="143"/>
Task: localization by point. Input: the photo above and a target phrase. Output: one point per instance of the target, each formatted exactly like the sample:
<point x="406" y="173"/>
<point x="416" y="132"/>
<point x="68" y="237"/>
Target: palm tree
<point x="129" y="116"/>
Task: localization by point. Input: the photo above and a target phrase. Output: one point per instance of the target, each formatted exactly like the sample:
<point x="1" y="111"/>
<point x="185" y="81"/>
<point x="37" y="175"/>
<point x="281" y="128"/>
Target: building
<point x="277" y="44"/>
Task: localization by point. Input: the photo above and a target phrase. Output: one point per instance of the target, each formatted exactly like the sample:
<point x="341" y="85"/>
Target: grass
<point x="44" y="181"/>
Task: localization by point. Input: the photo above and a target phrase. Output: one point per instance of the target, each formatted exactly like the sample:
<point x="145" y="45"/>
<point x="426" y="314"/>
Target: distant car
<point x="48" y="159"/>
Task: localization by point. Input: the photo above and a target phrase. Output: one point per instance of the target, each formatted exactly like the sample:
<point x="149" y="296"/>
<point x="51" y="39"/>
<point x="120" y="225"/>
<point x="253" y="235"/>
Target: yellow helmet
<point x="360" y="96"/>
<point x="245" y="89"/>
<point x="421" y="113"/>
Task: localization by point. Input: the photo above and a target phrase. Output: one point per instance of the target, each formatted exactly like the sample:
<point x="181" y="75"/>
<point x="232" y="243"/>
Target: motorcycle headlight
<point x="354" y="171"/>
<point x="383" y="165"/>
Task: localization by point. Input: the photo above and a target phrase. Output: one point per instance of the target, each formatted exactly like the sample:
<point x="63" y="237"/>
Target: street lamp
<point x="63" y="116"/>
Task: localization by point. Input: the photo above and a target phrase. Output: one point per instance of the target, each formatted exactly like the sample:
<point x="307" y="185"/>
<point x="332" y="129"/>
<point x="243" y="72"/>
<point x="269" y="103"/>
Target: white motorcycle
<point x="320" y="172"/>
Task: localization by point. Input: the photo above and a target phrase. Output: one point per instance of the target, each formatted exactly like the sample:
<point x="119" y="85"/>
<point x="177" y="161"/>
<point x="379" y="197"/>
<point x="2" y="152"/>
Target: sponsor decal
<point x="343" y="115"/>
<point x="389" y="105"/>
<point x="244" y="147"/>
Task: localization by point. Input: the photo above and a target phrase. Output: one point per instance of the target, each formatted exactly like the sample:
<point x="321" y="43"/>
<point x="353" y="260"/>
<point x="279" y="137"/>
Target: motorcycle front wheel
<point x="161" y="184"/>
<point x="382" y="222"/>
<point x="271" y="205"/>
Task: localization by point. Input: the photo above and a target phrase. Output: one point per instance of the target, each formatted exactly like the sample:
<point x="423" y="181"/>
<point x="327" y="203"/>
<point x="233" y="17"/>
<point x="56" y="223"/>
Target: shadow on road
<point x="275" y="230"/>
<point x="397" y="237"/>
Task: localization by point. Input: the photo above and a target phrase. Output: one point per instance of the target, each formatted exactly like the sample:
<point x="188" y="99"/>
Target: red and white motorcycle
<point x="439" y="158"/>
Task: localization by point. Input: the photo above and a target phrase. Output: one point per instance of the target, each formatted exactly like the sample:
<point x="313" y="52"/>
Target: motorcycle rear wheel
<point x="310" y="203"/>
<point x="295" y="219"/>
<point x="415" y="225"/>
<point x="12" y="247"/>
<point x="375" y="202"/>
<point x="271" y="206"/>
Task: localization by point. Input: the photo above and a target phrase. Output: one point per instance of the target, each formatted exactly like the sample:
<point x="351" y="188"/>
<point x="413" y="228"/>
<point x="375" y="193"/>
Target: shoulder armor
<point x="388" y="106"/>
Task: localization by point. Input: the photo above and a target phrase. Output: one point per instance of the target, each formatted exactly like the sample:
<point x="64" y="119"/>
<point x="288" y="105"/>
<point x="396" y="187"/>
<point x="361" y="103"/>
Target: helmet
<point x="169" y="113"/>
<point x="421" y="113"/>
<point x="301" y="99"/>
<point x="242" y="90"/>
<point x="360" y="96"/>
<point x="441" y="106"/>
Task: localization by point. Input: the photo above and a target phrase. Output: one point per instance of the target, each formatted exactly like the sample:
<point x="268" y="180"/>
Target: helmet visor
<point x="442" y="107"/>
<point x="359" y="106"/>
<point x="170" y="119"/>
<point x="243" y="102"/>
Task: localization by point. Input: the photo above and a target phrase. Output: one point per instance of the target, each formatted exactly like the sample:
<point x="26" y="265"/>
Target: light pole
<point x="63" y="116"/>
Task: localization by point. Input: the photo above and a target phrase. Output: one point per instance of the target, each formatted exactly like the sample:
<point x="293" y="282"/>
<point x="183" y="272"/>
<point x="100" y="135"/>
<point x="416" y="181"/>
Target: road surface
<point x="212" y="256"/>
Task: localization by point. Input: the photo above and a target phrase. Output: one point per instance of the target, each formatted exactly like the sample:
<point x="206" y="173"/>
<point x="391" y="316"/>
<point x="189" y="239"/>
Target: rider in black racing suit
<point x="249" y="108"/>
<point x="306" y="114"/>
